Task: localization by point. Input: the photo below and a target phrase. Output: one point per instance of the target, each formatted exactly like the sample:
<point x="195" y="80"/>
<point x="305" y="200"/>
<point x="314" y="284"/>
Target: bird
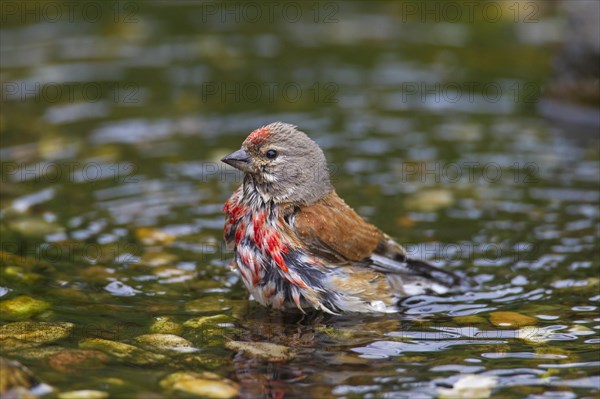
<point x="299" y="247"/>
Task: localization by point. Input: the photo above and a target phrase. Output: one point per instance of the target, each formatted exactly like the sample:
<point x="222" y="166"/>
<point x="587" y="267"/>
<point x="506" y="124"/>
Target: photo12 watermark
<point x="99" y="11"/>
<point x="474" y="172"/>
<point x="269" y="12"/>
<point x="470" y="92"/>
<point x="70" y="92"/>
<point x="269" y="92"/>
<point x="470" y="11"/>
<point x="65" y="250"/>
<point x="71" y="171"/>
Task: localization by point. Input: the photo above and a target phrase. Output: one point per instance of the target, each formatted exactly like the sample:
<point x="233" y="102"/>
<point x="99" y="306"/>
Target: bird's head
<point x="284" y="164"/>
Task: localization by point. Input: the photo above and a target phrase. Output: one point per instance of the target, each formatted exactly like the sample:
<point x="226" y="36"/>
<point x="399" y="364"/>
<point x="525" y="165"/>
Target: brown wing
<point x="332" y="228"/>
<point x="336" y="232"/>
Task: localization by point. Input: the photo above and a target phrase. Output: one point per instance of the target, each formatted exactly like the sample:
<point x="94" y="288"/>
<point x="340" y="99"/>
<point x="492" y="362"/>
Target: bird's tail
<point x="428" y="271"/>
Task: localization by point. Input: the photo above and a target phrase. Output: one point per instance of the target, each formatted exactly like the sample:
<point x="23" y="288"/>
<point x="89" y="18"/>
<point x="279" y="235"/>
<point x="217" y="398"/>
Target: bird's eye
<point x="271" y="154"/>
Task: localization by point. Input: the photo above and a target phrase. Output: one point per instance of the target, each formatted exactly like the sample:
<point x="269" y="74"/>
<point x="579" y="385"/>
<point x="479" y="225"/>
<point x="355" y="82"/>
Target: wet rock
<point x="165" y="325"/>
<point x="123" y="352"/>
<point x="96" y="274"/>
<point x="20" y="273"/>
<point x="263" y="350"/>
<point x="114" y="381"/>
<point x="24" y="334"/>
<point x="22" y="307"/>
<point x="207" y="321"/>
<point x="342" y="358"/>
<point x="12" y="345"/>
<point x="166" y="343"/>
<point x="83" y="394"/>
<point x="207" y="305"/>
<point x="38" y="353"/>
<point x="210" y="361"/>
<point x="405" y="222"/>
<point x="153" y="236"/>
<point x="511" y="319"/>
<point x="76" y="360"/>
<point x="470" y="387"/>
<point x="18" y="379"/>
<point x="201" y="384"/>
<point x="430" y="200"/>
<point x="35" y="227"/>
<point x="210" y="330"/>
<point x="155" y="259"/>
<point x="72" y="295"/>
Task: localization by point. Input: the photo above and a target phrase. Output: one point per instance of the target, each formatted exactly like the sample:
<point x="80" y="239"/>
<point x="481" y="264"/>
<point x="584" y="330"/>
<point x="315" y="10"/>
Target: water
<point x="112" y="128"/>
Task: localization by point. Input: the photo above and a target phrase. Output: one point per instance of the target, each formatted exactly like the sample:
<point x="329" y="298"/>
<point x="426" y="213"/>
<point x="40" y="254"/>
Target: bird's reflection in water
<point x="319" y="341"/>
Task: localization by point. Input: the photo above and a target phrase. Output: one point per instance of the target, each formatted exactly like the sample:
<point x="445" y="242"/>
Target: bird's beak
<point x="239" y="160"/>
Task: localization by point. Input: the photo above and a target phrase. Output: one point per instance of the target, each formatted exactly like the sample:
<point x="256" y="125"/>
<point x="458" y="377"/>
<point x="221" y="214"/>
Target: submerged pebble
<point x="165" y="325"/>
<point x="207" y="305"/>
<point x="153" y="236"/>
<point x="38" y="353"/>
<point x="204" y="360"/>
<point x="83" y="394"/>
<point x="201" y="384"/>
<point x="76" y="360"/>
<point x="210" y="330"/>
<point x="22" y="307"/>
<point x="96" y="274"/>
<point x="430" y="200"/>
<point x="511" y="319"/>
<point x="263" y="350"/>
<point x="157" y="258"/>
<point x="208" y="321"/>
<point x="35" y="227"/>
<point x="24" y="334"/>
<point x="166" y="343"/>
<point x="124" y="352"/>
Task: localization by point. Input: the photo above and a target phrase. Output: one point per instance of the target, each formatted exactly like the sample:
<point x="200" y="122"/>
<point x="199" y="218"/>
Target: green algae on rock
<point x="263" y="350"/>
<point x="204" y="384"/>
<point x="165" y="325"/>
<point x="123" y="352"/>
<point x="24" y="334"/>
<point x="210" y="330"/>
<point x="22" y="307"/>
<point x="166" y="343"/>
<point x="207" y="305"/>
<point x="206" y="361"/>
<point x="208" y="321"/>
<point x="35" y="227"/>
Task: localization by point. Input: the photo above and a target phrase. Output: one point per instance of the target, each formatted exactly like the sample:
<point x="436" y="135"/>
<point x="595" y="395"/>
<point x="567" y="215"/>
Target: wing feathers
<point x="334" y="228"/>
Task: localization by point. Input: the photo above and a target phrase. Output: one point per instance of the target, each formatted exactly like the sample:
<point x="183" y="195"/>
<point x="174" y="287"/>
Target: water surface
<point x="112" y="192"/>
